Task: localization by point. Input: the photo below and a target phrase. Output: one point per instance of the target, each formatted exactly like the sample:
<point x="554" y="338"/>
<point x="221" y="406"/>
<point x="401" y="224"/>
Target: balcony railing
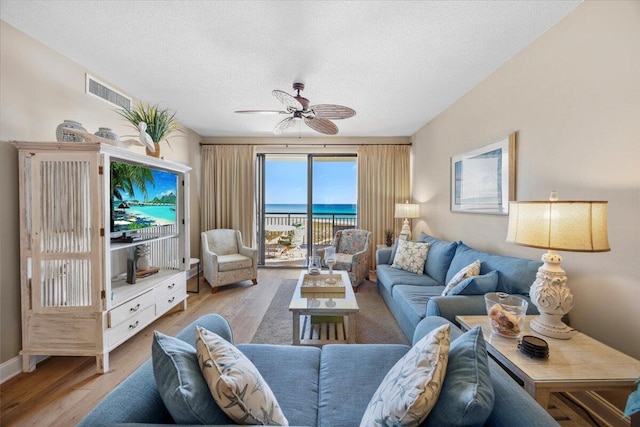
<point x="324" y="225"/>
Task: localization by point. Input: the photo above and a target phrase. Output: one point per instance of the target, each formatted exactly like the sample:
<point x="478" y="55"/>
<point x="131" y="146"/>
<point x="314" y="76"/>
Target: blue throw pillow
<point x="477" y="285"/>
<point x="393" y="251"/>
<point x="440" y="255"/>
<point x="181" y="385"/>
<point x="467" y="394"/>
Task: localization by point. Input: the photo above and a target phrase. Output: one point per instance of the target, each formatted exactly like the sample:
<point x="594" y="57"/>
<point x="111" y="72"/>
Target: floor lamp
<point x="577" y="226"/>
<point x="406" y="210"/>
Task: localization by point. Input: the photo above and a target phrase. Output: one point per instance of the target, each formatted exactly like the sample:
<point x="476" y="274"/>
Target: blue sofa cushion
<point x="180" y="382"/>
<point x="292" y="375"/>
<point x="515" y="275"/>
<point x="389" y="277"/>
<point x="467" y="394"/>
<point x="413" y="300"/>
<point x="349" y="376"/>
<point x="440" y="255"/>
<point x="477" y="285"/>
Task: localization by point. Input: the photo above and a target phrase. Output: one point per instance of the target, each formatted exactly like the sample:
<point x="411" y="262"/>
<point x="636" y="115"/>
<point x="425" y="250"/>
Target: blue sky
<point x="333" y="182"/>
<point x="163" y="183"/>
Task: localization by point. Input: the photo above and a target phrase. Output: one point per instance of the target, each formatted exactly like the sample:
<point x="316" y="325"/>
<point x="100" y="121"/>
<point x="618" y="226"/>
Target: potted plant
<point x="159" y="122"/>
<point x="388" y="237"/>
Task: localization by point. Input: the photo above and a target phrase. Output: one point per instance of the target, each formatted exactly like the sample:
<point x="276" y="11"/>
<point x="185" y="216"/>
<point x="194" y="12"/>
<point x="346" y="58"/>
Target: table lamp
<point x="406" y="210"/>
<point x="577" y="226"/>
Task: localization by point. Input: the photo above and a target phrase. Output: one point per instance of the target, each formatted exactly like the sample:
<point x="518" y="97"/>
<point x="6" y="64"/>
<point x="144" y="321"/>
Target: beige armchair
<point x="226" y="260"/>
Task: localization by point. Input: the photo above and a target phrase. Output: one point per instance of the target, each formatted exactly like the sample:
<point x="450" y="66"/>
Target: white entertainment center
<point x="77" y="299"/>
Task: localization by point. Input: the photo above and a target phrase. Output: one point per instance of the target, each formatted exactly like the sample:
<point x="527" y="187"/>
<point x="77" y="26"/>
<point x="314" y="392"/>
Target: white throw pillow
<point x="235" y="383"/>
<point x="411" y="256"/>
<point x="470" y="270"/>
<point x="411" y="388"/>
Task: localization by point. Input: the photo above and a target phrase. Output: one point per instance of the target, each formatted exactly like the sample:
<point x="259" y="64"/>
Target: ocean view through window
<point x="292" y="183"/>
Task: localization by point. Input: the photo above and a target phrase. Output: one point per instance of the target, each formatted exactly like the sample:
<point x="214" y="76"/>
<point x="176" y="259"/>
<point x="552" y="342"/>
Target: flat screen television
<point x="141" y="197"/>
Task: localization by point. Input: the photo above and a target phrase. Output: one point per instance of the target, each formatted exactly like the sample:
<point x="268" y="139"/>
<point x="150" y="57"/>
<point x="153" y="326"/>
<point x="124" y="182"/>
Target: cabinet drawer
<point x="163" y="304"/>
<point x="130" y="308"/>
<point x="132" y="326"/>
<point x="171" y="285"/>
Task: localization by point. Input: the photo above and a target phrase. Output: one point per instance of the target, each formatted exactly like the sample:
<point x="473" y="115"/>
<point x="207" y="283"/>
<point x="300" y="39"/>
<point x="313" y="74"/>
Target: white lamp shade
<point x="407" y="210"/>
<point x="578" y="226"/>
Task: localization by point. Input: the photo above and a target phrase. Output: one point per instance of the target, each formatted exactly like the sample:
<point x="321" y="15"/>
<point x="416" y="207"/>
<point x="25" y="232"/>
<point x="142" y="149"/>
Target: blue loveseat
<point x="412" y="297"/>
<point x="327" y="387"/>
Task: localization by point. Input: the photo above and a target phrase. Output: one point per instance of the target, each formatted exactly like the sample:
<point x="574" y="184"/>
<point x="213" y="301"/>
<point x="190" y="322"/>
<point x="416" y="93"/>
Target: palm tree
<point x="124" y="176"/>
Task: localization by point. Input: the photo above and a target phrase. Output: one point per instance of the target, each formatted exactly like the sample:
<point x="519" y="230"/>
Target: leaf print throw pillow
<point x="470" y="270"/>
<point x="411" y="388"/>
<point x="235" y="383"/>
<point x="411" y="256"/>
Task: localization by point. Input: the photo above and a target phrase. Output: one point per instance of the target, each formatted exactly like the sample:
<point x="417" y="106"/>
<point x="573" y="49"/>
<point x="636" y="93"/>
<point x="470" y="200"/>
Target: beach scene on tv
<point x="141" y="197"/>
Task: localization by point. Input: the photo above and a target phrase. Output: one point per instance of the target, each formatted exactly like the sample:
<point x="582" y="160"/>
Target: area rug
<point x="374" y="322"/>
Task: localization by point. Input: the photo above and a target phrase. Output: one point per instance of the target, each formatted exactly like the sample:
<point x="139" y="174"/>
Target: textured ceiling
<point x="397" y="63"/>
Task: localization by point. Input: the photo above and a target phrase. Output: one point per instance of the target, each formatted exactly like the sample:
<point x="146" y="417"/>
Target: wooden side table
<point x="578" y="364"/>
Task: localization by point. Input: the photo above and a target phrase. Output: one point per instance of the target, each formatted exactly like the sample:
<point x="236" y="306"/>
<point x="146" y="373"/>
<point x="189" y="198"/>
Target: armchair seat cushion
<point x="344" y="258"/>
<point x="233" y="262"/>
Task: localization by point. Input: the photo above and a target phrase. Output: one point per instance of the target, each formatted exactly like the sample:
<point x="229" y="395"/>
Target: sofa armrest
<point x="428" y="324"/>
<point x="383" y="256"/>
<point x="463" y="305"/>
<point x="359" y="257"/>
<point x="249" y="253"/>
<point x="456" y="305"/>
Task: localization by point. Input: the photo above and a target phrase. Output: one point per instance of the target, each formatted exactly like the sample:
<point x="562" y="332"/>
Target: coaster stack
<point x="534" y="347"/>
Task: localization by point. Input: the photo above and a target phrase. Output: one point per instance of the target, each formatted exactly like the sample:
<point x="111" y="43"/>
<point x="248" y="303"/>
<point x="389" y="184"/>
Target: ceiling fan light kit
<point x="317" y="117"/>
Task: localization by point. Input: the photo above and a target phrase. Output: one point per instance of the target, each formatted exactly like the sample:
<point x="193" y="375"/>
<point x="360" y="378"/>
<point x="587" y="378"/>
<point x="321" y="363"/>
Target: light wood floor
<point x="62" y="390"/>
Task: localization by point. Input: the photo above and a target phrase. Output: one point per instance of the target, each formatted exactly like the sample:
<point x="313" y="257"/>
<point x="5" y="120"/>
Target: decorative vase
<point x="64" y="136"/>
<point x="389" y="242"/>
<point x="107" y="133"/>
<point x="157" y="152"/>
<point x="142" y="253"/>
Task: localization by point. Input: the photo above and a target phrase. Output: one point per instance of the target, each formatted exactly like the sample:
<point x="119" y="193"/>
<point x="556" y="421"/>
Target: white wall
<point x="573" y="95"/>
<point x="39" y="88"/>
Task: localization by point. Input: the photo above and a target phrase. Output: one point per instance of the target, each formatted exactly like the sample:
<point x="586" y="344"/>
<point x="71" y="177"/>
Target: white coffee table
<point x="578" y="364"/>
<point x="303" y="307"/>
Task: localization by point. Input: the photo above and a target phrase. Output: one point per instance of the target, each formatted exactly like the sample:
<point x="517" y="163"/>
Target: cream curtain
<point x="383" y="180"/>
<point x="228" y="188"/>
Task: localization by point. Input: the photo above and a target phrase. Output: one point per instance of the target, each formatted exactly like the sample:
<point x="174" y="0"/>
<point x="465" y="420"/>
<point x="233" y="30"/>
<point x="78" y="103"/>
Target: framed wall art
<point x="483" y="180"/>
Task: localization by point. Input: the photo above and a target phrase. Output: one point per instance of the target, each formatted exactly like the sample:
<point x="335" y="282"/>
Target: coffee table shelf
<point x="330" y="304"/>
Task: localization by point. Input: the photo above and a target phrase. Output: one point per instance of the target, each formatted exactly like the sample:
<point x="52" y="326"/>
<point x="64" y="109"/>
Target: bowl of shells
<point x="506" y="313"/>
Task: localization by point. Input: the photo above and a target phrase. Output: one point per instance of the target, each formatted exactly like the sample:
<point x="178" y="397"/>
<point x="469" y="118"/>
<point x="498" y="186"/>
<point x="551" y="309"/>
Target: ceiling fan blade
<point x="261" y="112"/>
<point x="322" y="125"/>
<point x="285" y="124"/>
<point x="289" y="101"/>
<point x="332" y="111"/>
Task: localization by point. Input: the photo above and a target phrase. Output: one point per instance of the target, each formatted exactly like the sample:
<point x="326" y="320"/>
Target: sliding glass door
<point x="304" y="199"/>
<point x="334" y="196"/>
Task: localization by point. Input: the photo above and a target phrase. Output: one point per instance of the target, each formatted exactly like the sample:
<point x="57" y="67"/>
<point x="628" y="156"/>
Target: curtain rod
<point x="303" y="145"/>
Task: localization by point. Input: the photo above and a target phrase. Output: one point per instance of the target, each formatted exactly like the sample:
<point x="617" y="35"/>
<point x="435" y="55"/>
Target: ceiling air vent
<point x="97" y="88"/>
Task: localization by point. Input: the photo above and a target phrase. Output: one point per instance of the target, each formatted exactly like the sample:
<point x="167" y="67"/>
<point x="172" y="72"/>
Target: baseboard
<point x="601" y="409"/>
<point x="13" y="367"/>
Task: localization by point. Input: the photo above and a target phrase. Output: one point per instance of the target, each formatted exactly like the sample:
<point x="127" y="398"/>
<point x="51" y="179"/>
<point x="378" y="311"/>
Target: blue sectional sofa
<point x="327" y="387"/>
<point x="412" y="297"/>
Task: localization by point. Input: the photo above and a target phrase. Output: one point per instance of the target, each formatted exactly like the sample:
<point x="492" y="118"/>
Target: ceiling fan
<point x="317" y="117"/>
